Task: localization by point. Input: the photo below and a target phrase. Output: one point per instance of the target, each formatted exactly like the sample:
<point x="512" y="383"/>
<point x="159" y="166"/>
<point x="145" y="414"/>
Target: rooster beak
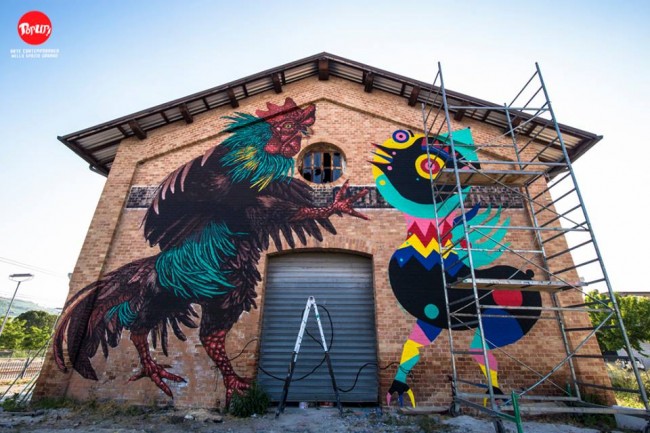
<point x="307" y="131"/>
<point x="382" y="148"/>
<point x="381" y="154"/>
<point x="382" y="158"/>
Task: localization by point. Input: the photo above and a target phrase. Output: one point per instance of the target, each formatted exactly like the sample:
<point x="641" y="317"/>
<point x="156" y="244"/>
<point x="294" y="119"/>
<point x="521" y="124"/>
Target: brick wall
<point x="350" y="119"/>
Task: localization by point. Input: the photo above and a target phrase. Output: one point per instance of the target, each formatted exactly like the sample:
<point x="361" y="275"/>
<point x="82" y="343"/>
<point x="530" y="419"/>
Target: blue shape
<point x="429" y="330"/>
<point x="452" y="263"/>
<point x="454" y="266"/>
<point x="500" y="332"/>
<point x="468" y="215"/>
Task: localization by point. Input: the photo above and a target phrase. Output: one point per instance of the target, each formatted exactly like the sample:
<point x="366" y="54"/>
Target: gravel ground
<point x="325" y="420"/>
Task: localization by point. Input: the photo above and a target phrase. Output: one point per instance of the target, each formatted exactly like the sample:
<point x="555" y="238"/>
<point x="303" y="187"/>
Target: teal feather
<point x="480" y="240"/>
<point x="247" y="160"/>
<point x="125" y="315"/>
<point x="193" y="270"/>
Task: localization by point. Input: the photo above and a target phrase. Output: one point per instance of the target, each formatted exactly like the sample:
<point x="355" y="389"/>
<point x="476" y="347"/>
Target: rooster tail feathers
<point x="98" y="313"/>
<point x="73" y="327"/>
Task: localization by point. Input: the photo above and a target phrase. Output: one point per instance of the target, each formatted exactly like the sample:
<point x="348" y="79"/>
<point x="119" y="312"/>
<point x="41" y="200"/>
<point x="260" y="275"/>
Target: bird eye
<point x="429" y="166"/>
<point x="401" y="136"/>
<point x="288" y="125"/>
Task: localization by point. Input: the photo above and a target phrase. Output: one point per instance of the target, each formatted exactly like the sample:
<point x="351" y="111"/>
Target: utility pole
<point x="18" y="278"/>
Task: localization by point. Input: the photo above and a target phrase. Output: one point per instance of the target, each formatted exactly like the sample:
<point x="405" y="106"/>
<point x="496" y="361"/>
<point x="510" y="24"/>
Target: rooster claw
<point x="343" y="204"/>
<point x="234" y="384"/>
<point x="157" y="373"/>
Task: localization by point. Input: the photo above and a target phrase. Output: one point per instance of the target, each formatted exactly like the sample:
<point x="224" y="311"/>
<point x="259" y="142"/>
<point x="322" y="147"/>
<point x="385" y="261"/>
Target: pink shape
<point x="422" y="223"/>
<point x="494" y="365"/>
<point x="418" y="335"/>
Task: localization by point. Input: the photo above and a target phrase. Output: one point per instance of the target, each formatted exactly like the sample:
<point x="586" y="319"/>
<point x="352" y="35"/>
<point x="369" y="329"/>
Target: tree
<point x="12" y="334"/>
<point x="39" y="319"/>
<point x="35" y="338"/>
<point x="635" y="311"/>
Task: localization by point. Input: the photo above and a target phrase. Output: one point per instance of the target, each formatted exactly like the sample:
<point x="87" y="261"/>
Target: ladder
<point x="311" y="303"/>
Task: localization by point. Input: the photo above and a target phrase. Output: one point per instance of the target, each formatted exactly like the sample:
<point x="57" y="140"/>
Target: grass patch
<point x="622" y="378"/>
<point x="602" y="422"/>
<point x="53" y="403"/>
<point x="12" y="404"/>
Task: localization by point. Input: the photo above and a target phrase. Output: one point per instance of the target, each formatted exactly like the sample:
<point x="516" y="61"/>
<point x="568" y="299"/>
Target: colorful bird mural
<point x="211" y="218"/>
<point x="435" y="247"/>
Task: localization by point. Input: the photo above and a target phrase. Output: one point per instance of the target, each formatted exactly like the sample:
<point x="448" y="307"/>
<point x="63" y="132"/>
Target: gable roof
<point x="98" y="144"/>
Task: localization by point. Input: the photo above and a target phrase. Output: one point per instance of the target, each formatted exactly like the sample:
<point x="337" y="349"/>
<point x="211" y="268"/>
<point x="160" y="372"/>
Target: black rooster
<point x="435" y="252"/>
<point x="211" y="218"/>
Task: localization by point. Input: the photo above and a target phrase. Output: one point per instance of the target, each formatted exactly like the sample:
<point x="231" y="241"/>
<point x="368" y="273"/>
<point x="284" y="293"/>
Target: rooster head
<point x="288" y="125"/>
<point x="407" y="165"/>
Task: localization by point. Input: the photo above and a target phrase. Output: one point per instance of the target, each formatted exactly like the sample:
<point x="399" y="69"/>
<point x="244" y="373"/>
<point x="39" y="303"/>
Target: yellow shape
<point x="382" y="156"/>
<point x="376" y="172"/>
<point x="415" y="242"/>
<point x="410" y="350"/>
<point x="411" y="396"/>
<point x="493" y="375"/>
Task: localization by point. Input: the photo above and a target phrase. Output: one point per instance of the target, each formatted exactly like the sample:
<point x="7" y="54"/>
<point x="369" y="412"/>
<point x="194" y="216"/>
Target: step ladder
<point x="311" y="303"/>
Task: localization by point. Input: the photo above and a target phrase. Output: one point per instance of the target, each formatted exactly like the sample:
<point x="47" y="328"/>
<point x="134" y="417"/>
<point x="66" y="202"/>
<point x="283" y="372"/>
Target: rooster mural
<point x="403" y="168"/>
<point x="211" y="218"/>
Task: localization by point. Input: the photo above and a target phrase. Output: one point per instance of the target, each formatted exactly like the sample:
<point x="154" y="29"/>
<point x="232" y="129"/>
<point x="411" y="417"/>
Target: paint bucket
<point x="303" y="405"/>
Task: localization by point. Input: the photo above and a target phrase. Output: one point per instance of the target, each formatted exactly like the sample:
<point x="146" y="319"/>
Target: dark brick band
<point x="140" y="197"/>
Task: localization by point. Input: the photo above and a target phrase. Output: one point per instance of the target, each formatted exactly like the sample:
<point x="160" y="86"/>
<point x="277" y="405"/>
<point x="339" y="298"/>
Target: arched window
<point x="322" y="163"/>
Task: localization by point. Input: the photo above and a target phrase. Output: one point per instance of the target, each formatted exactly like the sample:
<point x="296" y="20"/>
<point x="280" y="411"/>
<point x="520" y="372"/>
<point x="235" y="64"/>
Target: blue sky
<point x="119" y="56"/>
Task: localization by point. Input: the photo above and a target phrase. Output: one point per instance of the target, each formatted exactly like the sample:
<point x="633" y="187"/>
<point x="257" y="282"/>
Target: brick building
<point x="355" y="106"/>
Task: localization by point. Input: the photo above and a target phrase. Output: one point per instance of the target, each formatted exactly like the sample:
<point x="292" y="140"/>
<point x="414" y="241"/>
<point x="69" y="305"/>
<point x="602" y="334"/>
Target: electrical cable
<point x="32" y="267"/>
<point x="242" y="351"/>
<point x="313" y="370"/>
<point x="331" y="345"/>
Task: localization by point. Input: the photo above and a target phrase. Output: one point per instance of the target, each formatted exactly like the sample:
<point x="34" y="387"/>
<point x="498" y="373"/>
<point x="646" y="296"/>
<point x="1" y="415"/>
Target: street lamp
<point x="19" y="278"/>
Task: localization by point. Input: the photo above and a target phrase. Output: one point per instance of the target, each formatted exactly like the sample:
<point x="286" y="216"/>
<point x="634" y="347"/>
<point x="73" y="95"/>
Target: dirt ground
<point x="293" y="420"/>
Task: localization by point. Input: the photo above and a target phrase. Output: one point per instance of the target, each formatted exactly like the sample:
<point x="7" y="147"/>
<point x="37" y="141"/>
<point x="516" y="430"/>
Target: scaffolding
<point x="528" y="159"/>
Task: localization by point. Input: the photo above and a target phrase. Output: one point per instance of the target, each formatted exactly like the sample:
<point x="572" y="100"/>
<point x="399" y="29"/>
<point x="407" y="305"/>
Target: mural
<point x="403" y="169"/>
<point x="211" y="218"/>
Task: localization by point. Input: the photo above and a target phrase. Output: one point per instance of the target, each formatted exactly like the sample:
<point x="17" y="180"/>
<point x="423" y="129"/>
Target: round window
<point x="322" y="163"/>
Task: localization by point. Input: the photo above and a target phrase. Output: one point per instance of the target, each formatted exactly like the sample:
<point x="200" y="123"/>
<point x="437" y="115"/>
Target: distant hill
<point x="20" y="307"/>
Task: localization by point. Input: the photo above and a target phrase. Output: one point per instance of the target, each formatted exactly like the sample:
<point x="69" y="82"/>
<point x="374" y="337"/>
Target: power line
<point x="32" y="267"/>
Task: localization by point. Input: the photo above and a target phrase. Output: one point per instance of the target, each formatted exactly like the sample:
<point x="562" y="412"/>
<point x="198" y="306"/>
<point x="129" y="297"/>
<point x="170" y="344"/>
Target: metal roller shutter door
<point x="342" y="283"/>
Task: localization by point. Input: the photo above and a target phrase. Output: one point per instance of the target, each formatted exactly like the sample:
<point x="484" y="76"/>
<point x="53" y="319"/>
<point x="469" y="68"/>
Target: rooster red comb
<point x="273" y="109"/>
<point x="304" y="116"/>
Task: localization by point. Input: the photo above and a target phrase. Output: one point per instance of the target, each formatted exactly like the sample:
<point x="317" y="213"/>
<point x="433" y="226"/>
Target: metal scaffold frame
<point x="529" y="160"/>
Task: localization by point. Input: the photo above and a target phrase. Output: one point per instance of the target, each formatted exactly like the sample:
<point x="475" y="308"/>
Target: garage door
<point x="342" y="283"/>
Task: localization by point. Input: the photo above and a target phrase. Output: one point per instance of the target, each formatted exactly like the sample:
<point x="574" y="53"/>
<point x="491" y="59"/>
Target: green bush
<point x="253" y="401"/>
<point x="625" y="379"/>
<point x="12" y="404"/>
<point x="53" y="403"/>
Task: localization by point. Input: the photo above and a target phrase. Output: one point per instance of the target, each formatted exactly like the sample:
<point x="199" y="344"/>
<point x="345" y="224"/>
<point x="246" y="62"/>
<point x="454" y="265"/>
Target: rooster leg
<point x="423" y="334"/>
<point x="150" y="368"/>
<point x="215" y="346"/>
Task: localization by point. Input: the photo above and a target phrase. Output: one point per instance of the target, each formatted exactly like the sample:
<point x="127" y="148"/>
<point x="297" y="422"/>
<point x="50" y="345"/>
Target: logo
<point x="34" y="27"/>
